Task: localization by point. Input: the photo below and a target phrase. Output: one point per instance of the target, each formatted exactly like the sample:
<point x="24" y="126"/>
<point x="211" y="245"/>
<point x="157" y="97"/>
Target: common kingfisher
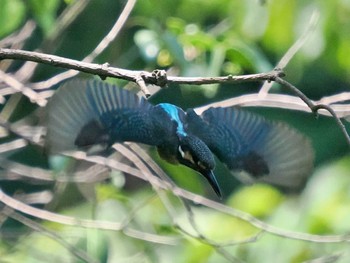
<point x="82" y="114"/>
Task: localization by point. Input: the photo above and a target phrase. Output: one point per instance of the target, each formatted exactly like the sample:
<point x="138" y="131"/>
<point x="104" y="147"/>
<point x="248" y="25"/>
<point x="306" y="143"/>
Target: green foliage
<point x="12" y="13"/>
<point x="44" y="12"/>
<point x="252" y="200"/>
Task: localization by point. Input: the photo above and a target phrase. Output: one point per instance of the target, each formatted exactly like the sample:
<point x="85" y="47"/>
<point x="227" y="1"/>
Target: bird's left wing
<point x="82" y="114"/>
<point x="250" y="145"/>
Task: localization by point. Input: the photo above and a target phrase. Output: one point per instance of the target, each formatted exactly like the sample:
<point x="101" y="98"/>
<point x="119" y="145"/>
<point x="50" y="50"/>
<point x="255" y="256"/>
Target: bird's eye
<point x="186" y="155"/>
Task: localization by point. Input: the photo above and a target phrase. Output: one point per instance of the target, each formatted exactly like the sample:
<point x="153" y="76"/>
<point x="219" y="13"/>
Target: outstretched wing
<point x="248" y="144"/>
<point x="86" y="113"/>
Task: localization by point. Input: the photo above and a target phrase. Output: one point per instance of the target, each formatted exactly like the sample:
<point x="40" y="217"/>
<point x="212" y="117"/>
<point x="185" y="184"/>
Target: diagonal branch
<point x="315" y="107"/>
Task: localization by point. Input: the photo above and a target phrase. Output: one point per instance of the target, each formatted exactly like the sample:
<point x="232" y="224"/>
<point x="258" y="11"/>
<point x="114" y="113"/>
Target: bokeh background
<point x="186" y="38"/>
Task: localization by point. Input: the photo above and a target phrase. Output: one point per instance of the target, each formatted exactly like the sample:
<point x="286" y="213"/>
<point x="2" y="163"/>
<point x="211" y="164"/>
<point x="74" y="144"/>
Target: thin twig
<point x="19" y="87"/>
<point x="150" y="177"/>
<point x="143" y="87"/>
<point x="340" y="97"/>
<point x="84" y="223"/>
<point x="12" y="145"/>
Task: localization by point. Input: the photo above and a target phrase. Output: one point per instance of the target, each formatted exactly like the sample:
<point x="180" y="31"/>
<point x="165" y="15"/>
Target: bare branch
<point x="19" y="87"/>
<point x="315" y="107"/>
<point x="85" y="223"/>
<point x="13" y="145"/>
<point x="130" y="75"/>
<point x="139" y="80"/>
<point x="341" y="97"/>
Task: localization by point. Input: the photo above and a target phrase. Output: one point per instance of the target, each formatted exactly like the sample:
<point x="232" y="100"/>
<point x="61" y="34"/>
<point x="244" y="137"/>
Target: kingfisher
<point x="87" y="113"/>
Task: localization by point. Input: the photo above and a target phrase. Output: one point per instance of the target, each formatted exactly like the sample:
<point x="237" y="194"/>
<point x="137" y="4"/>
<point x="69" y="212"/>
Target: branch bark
<point x="104" y="70"/>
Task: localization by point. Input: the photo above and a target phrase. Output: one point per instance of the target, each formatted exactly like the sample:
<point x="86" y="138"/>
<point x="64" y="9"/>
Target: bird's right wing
<point x="86" y="113"/>
<point x="255" y="147"/>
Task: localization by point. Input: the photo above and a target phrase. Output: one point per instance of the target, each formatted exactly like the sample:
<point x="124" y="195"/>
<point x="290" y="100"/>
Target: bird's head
<point x="195" y="154"/>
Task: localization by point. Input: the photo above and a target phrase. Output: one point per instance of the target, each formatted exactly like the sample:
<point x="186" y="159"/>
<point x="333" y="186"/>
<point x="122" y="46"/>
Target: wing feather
<point x="85" y="113"/>
<point x="252" y="146"/>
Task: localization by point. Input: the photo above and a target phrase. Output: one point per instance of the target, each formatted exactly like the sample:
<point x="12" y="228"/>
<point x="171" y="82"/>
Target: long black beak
<point x="209" y="175"/>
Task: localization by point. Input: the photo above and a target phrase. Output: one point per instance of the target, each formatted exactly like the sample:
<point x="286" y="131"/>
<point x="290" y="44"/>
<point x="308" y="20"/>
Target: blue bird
<point x="82" y="114"/>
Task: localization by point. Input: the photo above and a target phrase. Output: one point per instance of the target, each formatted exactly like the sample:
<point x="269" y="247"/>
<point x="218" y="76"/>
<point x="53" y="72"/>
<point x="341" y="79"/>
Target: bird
<point x="87" y="113"/>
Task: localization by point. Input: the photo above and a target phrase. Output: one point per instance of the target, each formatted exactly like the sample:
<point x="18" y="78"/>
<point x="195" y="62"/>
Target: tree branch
<point x="315" y="107"/>
<point x="103" y="70"/>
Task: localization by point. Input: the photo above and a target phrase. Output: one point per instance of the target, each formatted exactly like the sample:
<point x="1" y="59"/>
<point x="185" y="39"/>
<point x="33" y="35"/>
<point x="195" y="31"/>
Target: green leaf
<point x="259" y="200"/>
<point x="44" y="12"/>
<point x="11" y="15"/>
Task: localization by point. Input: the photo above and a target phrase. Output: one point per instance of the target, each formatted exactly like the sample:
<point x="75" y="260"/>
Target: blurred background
<point x="186" y="38"/>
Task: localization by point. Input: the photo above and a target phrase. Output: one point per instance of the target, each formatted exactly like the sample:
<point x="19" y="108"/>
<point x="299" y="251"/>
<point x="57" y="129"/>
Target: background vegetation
<point x="123" y="219"/>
